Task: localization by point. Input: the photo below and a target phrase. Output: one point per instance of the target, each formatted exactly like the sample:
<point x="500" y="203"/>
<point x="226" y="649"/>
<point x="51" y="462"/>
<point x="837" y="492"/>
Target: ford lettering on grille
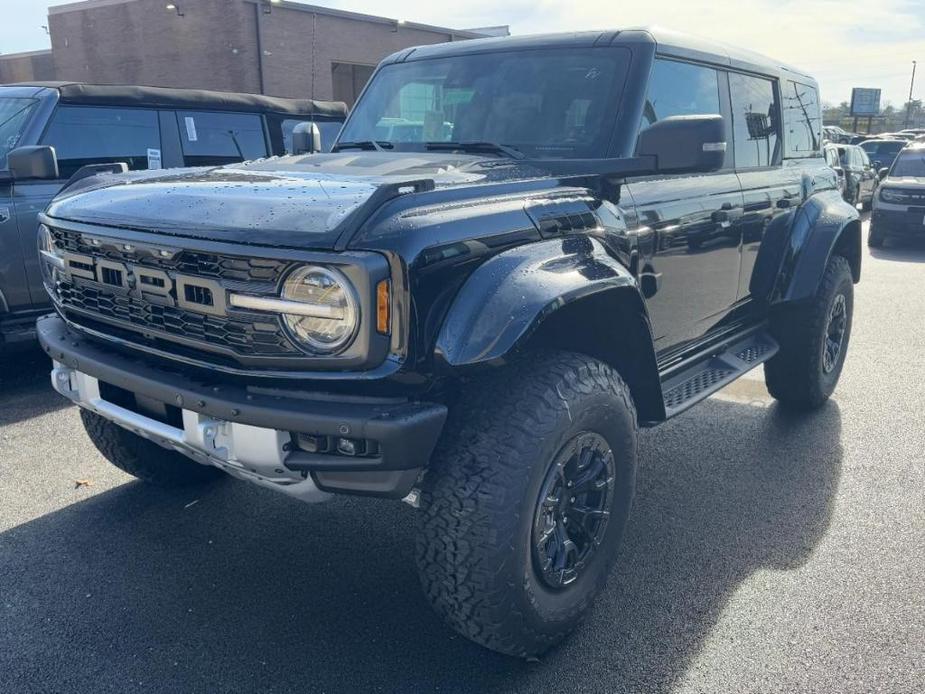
<point x="191" y="293"/>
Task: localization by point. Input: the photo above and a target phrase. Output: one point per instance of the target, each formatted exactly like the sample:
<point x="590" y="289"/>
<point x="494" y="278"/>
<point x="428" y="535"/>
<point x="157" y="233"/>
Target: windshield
<point x="911" y="163"/>
<point x="544" y="103"/>
<point x="14" y="113"/>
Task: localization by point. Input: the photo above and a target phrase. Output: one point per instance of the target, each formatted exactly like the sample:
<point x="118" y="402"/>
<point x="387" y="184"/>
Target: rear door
<point x="694" y="269"/>
<point x="771" y="187"/>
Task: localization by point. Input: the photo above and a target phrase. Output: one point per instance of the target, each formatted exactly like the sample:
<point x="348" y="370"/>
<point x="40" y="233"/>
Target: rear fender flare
<point x="797" y="248"/>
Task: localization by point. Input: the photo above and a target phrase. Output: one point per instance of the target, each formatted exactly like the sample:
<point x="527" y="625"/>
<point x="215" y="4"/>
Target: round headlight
<point x="335" y="321"/>
<point x="888" y="195"/>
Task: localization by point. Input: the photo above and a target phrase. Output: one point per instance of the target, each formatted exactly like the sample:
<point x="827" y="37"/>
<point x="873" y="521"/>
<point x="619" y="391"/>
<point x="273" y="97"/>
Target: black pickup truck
<point x="520" y="251"/>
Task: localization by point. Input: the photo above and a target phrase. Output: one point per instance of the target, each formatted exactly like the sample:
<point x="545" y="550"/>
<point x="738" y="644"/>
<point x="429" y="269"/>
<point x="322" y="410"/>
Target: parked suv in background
<point x="143" y="127"/>
<point x="899" y="207"/>
<point x="477" y="315"/>
<point x="882" y="151"/>
<point x="860" y="175"/>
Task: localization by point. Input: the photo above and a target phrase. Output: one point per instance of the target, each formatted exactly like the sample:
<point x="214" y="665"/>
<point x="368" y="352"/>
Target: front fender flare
<point x="510" y="295"/>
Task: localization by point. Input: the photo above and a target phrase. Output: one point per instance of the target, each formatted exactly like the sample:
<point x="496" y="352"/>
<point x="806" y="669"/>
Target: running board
<point x="706" y="375"/>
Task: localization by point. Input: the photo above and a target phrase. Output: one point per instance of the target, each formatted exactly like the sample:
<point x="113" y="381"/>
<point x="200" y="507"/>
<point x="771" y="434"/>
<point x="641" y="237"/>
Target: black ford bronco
<point x="520" y="251"/>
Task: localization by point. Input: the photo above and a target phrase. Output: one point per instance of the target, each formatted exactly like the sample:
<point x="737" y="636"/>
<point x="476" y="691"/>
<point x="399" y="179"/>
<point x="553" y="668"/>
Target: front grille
<point x="247" y="335"/>
<point x="908" y="196"/>
<point x="196" y="263"/>
<point x="158" y="306"/>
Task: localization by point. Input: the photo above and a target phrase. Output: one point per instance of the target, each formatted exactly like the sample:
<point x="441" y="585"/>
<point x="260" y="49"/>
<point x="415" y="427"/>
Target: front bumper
<point x="899" y="220"/>
<point x="248" y="431"/>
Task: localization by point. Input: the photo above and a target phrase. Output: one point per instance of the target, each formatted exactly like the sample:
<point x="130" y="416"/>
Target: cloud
<point x="843" y="43"/>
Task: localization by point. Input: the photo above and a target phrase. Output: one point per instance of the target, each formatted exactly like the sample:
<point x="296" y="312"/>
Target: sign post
<point x="865" y="102"/>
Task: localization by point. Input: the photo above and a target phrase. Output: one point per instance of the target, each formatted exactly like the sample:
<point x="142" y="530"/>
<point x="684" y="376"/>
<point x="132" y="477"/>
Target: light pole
<point x="908" y="123"/>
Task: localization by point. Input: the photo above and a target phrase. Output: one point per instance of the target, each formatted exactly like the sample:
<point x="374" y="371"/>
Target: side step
<point x="706" y="375"/>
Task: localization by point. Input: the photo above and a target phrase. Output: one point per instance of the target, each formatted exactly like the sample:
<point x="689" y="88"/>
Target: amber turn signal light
<point x="383" y="305"/>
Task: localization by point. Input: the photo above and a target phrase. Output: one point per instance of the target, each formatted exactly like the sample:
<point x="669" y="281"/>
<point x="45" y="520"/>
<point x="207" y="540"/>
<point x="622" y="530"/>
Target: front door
<point x="14" y="289"/>
<point x="690" y="271"/>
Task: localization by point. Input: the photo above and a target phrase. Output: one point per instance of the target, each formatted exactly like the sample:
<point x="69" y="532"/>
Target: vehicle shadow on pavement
<point x="902" y="250"/>
<point x="25" y="386"/>
<point x="237" y="589"/>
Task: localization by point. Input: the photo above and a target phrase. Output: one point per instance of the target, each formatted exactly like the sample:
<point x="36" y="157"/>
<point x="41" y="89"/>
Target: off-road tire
<point x="795" y="376"/>
<point x="474" y="544"/>
<point x="143" y="459"/>
<point x="875" y="237"/>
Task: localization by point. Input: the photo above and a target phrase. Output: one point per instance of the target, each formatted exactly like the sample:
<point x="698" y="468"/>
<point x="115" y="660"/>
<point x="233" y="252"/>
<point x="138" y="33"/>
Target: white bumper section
<point x="250" y="453"/>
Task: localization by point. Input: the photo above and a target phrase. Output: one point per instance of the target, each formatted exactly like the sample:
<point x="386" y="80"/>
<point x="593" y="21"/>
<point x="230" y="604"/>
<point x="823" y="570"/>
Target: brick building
<point x="261" y="46"/>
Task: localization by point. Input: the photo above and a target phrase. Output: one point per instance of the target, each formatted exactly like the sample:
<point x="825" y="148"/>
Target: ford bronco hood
<point x="305" y="201"/>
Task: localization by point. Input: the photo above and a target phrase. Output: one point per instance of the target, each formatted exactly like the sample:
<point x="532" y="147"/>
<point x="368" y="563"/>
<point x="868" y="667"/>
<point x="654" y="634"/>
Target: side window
<point x="213" y="139"/>
<point x="865" y="160"/>
<point x="802" y="120"/>
<point x="755" y="121"/>
<point x="679" y="89"/>
<point x="84" y="135"/>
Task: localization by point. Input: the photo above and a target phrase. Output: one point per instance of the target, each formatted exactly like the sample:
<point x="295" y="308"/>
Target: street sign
<point x="865" y="102"/>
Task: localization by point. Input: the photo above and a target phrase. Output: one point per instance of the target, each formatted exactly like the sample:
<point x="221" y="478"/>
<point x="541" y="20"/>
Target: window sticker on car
<point x="154" y="159"/>
<point x="191" y="129"/>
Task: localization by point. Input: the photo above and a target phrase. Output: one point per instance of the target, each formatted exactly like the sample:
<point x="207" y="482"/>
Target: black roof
<point x="166" y="97"/>
<point x="667" y="43"/>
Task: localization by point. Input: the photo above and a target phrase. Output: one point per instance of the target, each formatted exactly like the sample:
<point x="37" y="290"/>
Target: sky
<point x="843" y="43"/>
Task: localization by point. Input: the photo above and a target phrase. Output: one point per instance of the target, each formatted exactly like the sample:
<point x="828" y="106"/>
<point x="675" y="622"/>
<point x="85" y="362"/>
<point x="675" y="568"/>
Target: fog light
<point x="347" y="446"/>
<point x="312" y="444"/>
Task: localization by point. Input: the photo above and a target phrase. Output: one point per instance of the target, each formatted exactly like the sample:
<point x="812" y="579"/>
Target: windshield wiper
<point x="377" y="145"/>
<point x="495" y="147"/>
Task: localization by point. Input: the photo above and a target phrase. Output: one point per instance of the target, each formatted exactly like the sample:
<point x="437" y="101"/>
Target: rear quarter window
<point x="802" y="119"/>
<point x="214" y="139"/>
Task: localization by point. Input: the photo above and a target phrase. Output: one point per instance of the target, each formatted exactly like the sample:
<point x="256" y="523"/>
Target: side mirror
<point x="883" y="173"/>
<point x="306" y="139"/>
<point x="877" y="165"/>
<point x="685" y="144"/>
<point x="33" y="163"/>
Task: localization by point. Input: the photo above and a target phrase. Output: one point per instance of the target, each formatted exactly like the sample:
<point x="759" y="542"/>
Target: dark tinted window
<point x="755" y="121"/>
<point x="802" y="120"/>
<point x="14" y="114"/>
<point x="909" y="163"/>
<point x="678" y="89"/>
<point x="84" y="135"/>
<point x="211" y="139"/>
<point x="875" y="147"/>
<point x="546" y="103"/>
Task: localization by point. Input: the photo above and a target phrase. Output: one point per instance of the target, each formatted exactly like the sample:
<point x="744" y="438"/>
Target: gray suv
<point x="51" y="133"/>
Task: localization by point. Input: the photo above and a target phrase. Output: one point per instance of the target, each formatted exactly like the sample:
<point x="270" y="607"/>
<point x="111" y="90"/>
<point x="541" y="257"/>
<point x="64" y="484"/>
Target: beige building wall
<point x="286" y="49"/>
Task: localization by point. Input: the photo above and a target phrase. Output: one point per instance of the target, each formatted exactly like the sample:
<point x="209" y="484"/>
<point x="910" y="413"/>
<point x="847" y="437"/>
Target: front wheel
<point x="813" y="341"/>
<point x="526" y="500"/>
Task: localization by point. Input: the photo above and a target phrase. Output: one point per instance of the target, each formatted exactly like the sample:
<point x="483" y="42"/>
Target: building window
<point x="348" y="80"/>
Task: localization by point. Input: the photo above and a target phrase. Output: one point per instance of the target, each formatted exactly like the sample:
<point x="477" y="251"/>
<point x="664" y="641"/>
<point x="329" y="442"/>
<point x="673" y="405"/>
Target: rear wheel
<point x="813" y="341"/>
<point x="526" y="500"/>
<point x="143" y="459"/>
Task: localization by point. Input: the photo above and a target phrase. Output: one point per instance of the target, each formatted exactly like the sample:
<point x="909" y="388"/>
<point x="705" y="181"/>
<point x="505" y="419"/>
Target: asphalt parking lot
<point x="766" y="552"/>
